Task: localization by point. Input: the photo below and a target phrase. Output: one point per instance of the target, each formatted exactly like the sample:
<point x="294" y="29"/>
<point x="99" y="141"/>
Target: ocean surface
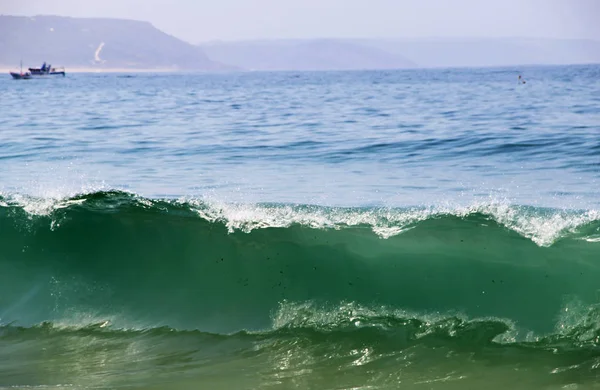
<point x="417" y="229"/>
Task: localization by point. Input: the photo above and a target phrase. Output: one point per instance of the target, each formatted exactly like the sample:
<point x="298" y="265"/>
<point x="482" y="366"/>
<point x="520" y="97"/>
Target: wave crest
<point x="542" y="226"/>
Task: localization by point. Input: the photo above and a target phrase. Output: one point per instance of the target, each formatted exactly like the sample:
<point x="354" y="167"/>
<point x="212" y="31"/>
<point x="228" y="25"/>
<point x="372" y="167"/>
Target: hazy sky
<point x="202" y="20"/>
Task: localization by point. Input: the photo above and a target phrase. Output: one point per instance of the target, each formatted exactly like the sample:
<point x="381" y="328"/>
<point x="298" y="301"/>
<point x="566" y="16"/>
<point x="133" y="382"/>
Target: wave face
<point x="113" y="289"/>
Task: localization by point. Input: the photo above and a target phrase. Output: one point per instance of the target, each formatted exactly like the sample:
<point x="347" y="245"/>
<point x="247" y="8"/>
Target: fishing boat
<point x="47" y="70"/>
<point x="43" y="71"/>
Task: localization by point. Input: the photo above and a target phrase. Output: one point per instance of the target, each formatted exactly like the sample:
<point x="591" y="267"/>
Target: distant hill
<point x="401" y="53"/>
<point x="116" y="43"/>
<point x="318" y="54"/>
<point x="95" y="43"/>
<point x="474" y="52"/>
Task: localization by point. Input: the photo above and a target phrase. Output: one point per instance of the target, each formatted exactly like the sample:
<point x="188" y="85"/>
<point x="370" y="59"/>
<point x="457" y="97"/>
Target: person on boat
<point x="44" y="67"/>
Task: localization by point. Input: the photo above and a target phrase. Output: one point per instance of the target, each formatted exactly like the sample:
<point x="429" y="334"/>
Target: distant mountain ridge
<point x="95" y="43"/>
<point x="303" y="54"/>
<point x="318" y="54"/>
<point x="487" y="52"/>
<point x="102" y="43"/>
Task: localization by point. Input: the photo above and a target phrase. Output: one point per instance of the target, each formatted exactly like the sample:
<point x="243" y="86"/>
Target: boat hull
<point x="20" y="76"/>
<point x="42" y="72"/>
<point x="38" y="72"/>
<point x="48" y="74"/>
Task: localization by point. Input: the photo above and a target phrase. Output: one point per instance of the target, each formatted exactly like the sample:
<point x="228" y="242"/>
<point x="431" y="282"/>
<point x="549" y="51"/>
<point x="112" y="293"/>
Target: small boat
<point x="20" y="75"/>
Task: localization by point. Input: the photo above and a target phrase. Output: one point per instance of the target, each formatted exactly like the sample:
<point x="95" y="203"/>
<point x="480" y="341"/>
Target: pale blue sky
<point x="201" y="20"/>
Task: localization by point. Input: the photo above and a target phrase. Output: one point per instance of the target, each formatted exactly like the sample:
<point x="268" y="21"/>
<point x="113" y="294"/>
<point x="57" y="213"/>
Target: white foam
<point x="541" y="227"/>
<point x="576" y="319"/>
<point x="244" y="217"/>
<point x="36" y="206"/>
<point x="580" y="319"/>
<point x="309" y="314"/>
<point x="591" y="238"/>
<point x="45" y="202"/>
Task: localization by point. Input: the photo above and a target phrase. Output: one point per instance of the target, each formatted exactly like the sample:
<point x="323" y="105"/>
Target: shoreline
<point x="96" y="70"/>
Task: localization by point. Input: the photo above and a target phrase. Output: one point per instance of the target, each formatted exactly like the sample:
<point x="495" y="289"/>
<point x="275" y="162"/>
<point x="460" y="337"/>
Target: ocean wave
<point x="190" y="264"/>
<point x="578" y="326"/>
<point x="540" y="225"/>
<point x="410" y="351"/>
<point x="305" y="335"/>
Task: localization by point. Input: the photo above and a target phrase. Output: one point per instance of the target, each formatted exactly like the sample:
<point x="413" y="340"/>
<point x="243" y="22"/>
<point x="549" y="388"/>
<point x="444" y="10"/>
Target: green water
<point x="112" y="291"/>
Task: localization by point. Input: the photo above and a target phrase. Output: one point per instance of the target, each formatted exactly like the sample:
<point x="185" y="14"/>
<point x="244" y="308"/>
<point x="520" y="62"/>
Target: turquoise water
<point x="434" y="229"/>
